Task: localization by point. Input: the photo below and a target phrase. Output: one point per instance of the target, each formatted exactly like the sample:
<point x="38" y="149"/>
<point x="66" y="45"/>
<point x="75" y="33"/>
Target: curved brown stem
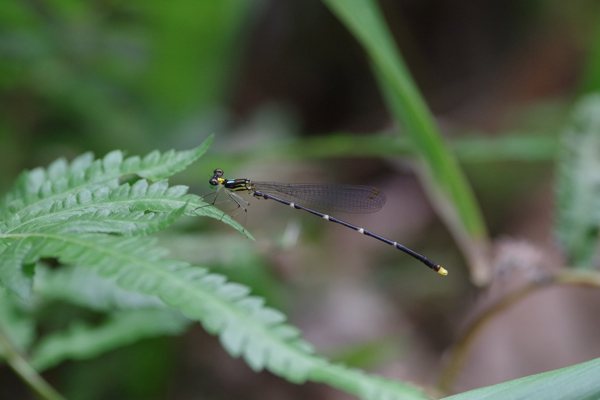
<point x="458" y="354"/>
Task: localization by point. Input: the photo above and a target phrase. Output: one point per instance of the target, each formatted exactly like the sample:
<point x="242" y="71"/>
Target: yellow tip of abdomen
<point x="442" y="271"/>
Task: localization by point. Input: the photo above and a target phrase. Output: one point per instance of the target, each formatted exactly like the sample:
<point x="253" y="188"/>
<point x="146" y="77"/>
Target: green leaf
<point x="472" y="147"/>
<point x="111" y="211"/>
<point x="12" y="274"/>
<point x="36" y="189"/>
<point x="123" y="223"/>
<point x="578" y="184"/>
<point x="83" y="287"/>
<point x="576" y="382"/>
<point x="83" y="341"/>
<point x="246" y="327"/>
<point x="590" y="79"/>
<point x="16" y="323"/>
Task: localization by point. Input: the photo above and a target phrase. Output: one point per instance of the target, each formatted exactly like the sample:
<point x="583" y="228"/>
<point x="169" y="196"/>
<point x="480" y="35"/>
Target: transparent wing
<point x="341" y="198"/>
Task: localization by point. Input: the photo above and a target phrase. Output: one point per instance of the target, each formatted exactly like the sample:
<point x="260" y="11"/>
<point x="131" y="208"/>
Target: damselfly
<point x="342" y="198"/>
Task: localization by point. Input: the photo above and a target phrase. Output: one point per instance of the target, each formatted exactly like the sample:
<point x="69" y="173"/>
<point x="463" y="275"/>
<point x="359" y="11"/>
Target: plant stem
<point x="25" y="370"/>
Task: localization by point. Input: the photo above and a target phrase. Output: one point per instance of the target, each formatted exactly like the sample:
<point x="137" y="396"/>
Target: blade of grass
<point x="590" y="81"/>
<point x="447" y="186"/>
<point x="471" y="148"/>
<point x="578" y="381"/>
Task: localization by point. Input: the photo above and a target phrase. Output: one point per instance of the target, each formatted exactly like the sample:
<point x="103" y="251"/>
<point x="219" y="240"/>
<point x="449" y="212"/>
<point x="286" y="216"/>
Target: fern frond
<point x="245" y="326"/>
<point x="122" y="223"/>
<point x="578" y="184"/>
<point x="125" y="204"/>
<point x="82" y="341"/>
<point x="31" y="186"/>
<point x="13" y="261"/>
<point x="83" y="287"/>
<point x="36" y="189"/>
<point x="75" y="209"/>
<point x="16" y="323"/>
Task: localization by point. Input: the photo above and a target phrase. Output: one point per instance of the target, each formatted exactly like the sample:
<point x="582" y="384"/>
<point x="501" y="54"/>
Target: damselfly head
<point x="214" y="181"/>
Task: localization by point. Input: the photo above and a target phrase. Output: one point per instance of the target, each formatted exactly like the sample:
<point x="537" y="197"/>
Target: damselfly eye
<point x="214" y="181"/>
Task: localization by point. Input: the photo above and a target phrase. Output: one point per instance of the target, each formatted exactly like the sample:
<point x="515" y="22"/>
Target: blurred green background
<point x="291" y="97"/>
